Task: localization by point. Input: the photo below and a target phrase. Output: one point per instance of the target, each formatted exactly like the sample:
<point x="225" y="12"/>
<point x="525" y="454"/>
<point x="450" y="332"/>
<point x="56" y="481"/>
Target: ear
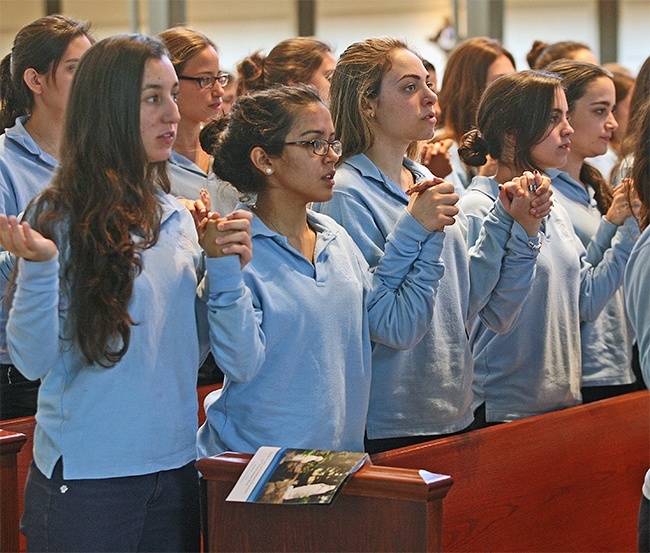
<point x="369" y="107"/>
<point x="261" y="160"/>
<point x="34" y="80"/>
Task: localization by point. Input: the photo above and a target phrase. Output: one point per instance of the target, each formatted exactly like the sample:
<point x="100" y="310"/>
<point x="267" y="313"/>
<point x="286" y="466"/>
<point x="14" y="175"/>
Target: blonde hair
<point x="356" y="79"/>
<point x="183" y="44"/>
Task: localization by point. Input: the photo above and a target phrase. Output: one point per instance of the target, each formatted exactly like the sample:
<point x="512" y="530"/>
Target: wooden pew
<point x="378" y="509"/>
<point x="564" y="481"/>
<point x="10" y="444"/>
<point x="13" y="492"/>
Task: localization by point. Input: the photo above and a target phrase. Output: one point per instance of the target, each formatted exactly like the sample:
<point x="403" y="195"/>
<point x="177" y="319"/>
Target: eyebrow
<point x="315" y="131"/>
<point x="153" y="86"/>
<point x="601" y="102"/>
<point x="410" y="76"/>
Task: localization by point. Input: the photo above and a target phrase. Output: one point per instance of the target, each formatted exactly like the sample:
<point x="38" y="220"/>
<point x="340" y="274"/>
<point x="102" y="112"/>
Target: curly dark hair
<point x="105" y="194"/>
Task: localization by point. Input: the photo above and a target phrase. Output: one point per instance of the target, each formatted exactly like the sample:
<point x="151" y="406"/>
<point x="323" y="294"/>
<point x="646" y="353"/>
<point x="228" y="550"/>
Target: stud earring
<point x="268" y="171"/>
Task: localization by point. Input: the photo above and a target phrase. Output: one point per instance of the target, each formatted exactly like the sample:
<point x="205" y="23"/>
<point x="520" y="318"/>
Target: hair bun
<point x="473" y="148"/>
<point x="211" y="131"/>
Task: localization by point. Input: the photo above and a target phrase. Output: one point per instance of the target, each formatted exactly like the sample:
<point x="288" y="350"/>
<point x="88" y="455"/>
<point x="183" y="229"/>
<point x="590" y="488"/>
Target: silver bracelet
<point x="535" y="247"/>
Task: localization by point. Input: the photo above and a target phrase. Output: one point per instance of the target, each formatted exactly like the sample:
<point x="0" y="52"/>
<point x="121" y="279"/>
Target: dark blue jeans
<point x="153" y="512"/>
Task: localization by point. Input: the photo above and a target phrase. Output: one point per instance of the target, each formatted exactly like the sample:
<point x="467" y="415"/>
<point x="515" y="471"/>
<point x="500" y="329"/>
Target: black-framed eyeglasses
<point x="208" y="80"/>
<point x="320" y="146"/>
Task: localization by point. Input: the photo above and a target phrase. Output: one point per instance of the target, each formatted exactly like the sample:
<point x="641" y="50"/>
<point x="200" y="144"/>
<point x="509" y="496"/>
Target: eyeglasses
<point x="209" y="80"/>
<point x="320" y="146"/>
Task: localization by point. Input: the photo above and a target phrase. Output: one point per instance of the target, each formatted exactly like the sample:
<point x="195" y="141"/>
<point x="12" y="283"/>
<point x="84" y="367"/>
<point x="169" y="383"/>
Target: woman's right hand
<point x="230" y="235"/>
<point x="435" y="157"/>
<point x="23" y="241"/>
<point x="433" y="204"/>
<point x="624" y="202"/>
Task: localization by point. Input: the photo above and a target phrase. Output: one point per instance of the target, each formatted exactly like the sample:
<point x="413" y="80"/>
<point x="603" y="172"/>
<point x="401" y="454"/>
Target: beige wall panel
<point x="15" y="14"/>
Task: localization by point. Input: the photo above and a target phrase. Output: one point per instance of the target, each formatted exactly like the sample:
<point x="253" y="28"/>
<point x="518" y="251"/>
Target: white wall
<point x="240" y="27"/>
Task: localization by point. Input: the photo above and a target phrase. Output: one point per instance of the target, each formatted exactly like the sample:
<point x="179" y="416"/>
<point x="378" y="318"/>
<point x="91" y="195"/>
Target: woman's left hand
<point x="528" y="200"/>
<point x="23" y="241"/>
<point x="229" y="235"/>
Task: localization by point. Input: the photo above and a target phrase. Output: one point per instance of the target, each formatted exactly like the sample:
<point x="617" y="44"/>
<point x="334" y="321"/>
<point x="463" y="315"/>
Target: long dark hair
<point x="576" y="78"/>
<point x="39" y="45"/>
<point x="104" y="193"/>
<point x="513" y="116"/>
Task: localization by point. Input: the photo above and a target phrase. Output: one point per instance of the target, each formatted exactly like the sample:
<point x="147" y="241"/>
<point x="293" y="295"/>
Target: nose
<point x="568" y="129"/>
<point x="611" y="123"/>
<point x="172" y="115"/>
<point x="331" y="155"/>
<point x="217" y="90"/>
<point x="431" y="97"/>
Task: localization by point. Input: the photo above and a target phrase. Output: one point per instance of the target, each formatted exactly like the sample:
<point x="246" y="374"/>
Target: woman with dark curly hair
<point x="103" y="313"/>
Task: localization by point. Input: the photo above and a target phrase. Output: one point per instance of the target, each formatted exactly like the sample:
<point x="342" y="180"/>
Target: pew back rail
<point x="564" y="481"/>
<point x="378" y="509"/>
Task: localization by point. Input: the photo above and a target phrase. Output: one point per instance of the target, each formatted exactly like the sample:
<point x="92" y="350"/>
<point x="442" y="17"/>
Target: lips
<point x="216" y="105"/>
<point x="167" y="137"/>
<point x="330" y="175"/>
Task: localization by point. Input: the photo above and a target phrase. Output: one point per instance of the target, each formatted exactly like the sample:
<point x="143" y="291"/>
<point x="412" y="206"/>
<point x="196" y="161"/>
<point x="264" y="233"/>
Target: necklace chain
<point x="32" y="130"/>
<point x="267" y="220"/>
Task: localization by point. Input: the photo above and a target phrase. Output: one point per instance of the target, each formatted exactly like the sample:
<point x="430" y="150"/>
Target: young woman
<point x="536" y="366"/>
<point x="200" y="93"/>
<point x="542" y="53"/>
<point x="382" y="103"/>
<point x="103" y="313"/>
<point x="624" y="86"/>
<point x="637" y="277"/>
<point x="596" y="214"/>
<point x="292" y="61"/>
<point x="34" y="83"/>
<point x="640" y="94"/>
<point x="471" y="67"/>
<point x="292" y="330"/>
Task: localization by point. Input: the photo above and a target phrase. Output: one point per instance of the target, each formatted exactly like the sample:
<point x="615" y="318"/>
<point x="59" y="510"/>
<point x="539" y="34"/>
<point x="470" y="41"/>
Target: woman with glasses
<point x="201" y="88"/>
<point x="292" y="330"/>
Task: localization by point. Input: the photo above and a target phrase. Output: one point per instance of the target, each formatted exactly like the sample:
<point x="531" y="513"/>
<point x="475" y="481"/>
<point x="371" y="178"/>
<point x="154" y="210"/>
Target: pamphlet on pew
<point x="295" y="476"/>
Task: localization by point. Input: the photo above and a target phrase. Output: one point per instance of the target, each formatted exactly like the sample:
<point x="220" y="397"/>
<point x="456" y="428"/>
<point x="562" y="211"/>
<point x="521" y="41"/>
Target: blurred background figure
<point x="471" y="67"/>
<point x="542" y="53"/>
<point x="292" y="61"/>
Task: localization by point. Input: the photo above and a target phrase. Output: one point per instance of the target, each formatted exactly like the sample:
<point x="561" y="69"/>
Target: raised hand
<point x="230" y="235"/>
<point x="435" y="157"/>
<point x="199" y="209"/>
<point x="433" y="204"/>
<point x="625" y="202"/>
<point x="528" y="200"/>
<point x="23" y="241"/>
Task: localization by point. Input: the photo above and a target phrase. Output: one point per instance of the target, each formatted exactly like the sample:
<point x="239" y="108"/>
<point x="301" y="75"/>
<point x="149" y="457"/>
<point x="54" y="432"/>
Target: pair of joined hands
<point x="526" y="198"/>
<point x="218" y="236"/>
